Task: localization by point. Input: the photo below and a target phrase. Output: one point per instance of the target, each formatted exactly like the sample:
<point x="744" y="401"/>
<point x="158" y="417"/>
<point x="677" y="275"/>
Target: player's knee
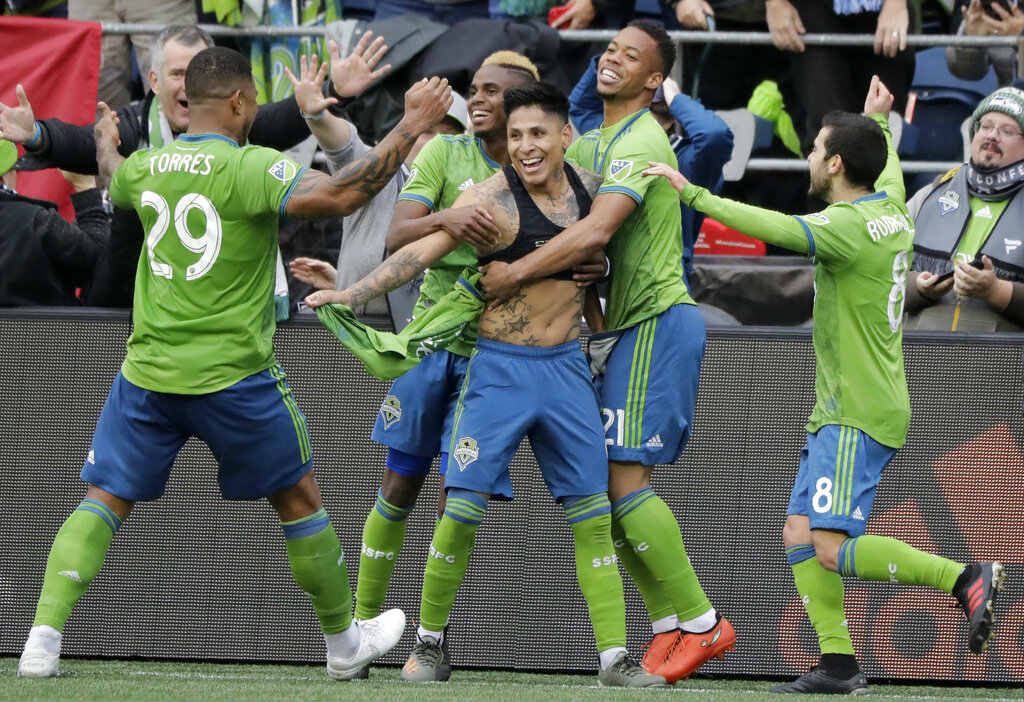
<point x="401" y="490"/>
<point x="795" y="533"/>
<point x="826" y="549"/>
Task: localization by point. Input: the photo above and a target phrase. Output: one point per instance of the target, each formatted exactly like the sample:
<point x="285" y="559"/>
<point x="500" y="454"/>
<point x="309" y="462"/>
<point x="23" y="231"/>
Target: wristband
<point x="315" y="117"/>
<point x="36" y="136"/>
<point x="343" y="102"/>
<point x="607" y="267"/>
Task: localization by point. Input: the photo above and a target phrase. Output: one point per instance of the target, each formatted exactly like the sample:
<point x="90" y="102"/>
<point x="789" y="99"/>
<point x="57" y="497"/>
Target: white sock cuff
<point x="660" y="626"/>
<point x="610" y="654"/>
<point x="436" y="635"/>
<point x="344" y="644"/>
<point x="700" y="624"/>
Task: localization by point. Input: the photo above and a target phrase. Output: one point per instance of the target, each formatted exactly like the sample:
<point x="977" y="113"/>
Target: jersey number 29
<point x="207" y="245"/>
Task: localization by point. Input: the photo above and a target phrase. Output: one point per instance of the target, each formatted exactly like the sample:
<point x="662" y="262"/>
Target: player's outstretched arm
<point x="398" y="269"/>
<point x="319" y="195"/>
<point x="107" y="139"/>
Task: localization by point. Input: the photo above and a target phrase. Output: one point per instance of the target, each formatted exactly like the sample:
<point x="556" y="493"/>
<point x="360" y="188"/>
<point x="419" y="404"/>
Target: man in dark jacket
<point x="153" y="121"/>
<point x="43" y="257"/>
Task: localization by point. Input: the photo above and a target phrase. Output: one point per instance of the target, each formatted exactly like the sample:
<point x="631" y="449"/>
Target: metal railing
<point x="680" y="37"/>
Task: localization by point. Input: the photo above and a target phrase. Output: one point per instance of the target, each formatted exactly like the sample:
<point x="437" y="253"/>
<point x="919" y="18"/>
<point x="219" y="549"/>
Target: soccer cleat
<point x="658" y="649"/>
<point x="428" y="661"/>
<point x="377" y="636"/>
<point x="817" y="682"/>
<point x="41" y="657"/>
<point x="623" y="672"/>
<point x="694" y="650"/>
<point x="976" y="591"/>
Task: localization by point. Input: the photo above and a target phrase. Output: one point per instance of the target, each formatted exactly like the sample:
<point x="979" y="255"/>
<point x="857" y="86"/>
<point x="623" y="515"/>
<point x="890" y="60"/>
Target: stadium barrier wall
<point x="194" y="577"/>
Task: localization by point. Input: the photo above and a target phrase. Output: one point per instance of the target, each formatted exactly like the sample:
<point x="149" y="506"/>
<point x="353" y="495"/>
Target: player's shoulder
<point x="591" y="181"/>
<point x="452" y="143"/>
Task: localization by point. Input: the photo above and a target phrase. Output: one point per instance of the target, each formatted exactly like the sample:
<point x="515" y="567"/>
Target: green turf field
<point x="131" y="680"/>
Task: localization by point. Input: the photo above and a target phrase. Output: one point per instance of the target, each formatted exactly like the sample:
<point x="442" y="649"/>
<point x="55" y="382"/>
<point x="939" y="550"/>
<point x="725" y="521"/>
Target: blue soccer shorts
<point x="543" y="393"/>
<point x="254" y="429"/>
<point x="416" y="416"/>
<point x="648" y="391"/>
<point x="840" y="467"/>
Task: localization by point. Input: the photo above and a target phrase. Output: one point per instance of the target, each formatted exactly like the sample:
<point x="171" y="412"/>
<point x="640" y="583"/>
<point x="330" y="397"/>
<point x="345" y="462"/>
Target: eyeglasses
<point x="1005" y="130"/>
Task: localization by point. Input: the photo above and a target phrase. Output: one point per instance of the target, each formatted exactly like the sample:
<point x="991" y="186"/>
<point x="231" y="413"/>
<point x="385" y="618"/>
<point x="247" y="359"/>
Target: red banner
<point x="58" y="63"/>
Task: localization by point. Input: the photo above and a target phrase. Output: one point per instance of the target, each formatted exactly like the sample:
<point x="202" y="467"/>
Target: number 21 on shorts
<point x="616" y="417"/>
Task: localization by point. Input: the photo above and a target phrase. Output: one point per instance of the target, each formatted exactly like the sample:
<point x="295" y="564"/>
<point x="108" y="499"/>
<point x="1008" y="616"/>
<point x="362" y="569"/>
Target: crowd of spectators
<point x="45" y="260"/>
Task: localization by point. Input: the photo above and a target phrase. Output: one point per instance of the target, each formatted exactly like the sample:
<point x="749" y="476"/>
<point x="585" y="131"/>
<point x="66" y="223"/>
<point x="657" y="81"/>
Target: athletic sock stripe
<point x="464" y="511"/>
<point x="306" y="526"/>
<point x="390" y="511"/>
<point x="846" y="550"/>
<point x="799" y="553"/>
<point x="648" y="354"/>
<point x="588" y="507"/>
<point x="103" y="511"/>
<point x="627" y="504"/>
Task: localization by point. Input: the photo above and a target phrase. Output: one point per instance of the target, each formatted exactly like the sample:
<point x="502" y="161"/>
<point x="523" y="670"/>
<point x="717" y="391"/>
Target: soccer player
<point x="861" y="244"/>
<point x="415" y="417"/>
<point x="527" y="377"/>
<point x="649" y="388"/>
<point x="200" y="361"/>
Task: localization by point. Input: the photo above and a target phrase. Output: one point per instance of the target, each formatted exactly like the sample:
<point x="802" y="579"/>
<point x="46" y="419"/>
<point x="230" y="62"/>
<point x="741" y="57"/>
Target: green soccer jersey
<point x="646" y="252"/>
<point x="204" y="308"/>
<point x="446" y="166"/>
<point x="863" y="251"/>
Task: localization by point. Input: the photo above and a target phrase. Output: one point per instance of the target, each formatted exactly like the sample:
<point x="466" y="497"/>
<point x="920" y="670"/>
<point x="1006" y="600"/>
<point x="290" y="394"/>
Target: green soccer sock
<point x="657" y="602"/>
<point x="318" y="566"/>
<point x="596" y="568"/>
<point x="75" y="558"/>
<point x="449" y="556"/>
<point x="822" y="593"/>
<point x="383" y="535"/>
<point x="654" y="534"/>
<point x="881" y="558"/>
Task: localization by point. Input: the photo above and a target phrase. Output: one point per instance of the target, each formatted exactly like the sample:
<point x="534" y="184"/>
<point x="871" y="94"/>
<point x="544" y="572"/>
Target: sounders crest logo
<point x="284" y="170"/>
<point x="390" y="411"/>
<point x="620" y="169"/>
<point x="466" y="451"/>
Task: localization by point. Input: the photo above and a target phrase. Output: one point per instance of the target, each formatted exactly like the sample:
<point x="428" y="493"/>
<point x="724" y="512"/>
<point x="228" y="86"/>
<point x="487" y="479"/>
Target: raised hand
<point x="891" y="30"/>
<point x="426" y="103"/>
<point x="312" y="271"/>
<point x="17" y="123"/>
<point x="107" y="138"/>
<point x="352" y="74"/>
<point x="879" y="99"/>
<point x="579" y="15"/>
<point x="309" y="86"/>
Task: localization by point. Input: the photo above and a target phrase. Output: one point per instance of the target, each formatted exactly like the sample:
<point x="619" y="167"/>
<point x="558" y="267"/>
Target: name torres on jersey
<point x="196" y="164"/>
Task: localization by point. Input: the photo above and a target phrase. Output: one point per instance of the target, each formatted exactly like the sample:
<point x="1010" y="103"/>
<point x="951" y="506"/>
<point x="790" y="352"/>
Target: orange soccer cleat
<point x="658" y="649"/>
<point x="694" y="650"/>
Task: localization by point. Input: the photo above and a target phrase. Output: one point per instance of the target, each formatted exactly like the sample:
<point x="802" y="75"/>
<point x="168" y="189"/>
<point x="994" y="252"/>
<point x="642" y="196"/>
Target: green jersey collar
<point x="488" y="159"/>
<point x="625" y="123"/>
<point x="873" y="196"/>
<point x="206" y="137"/>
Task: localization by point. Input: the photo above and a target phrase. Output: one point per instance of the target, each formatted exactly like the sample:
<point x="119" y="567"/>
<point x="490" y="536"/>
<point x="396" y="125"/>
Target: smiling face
<point x="997" y="142"/>
<point x="630" y="65"/>
<point x="537" y="141"/>
<point x="486" y="99"/>
<point x="168" y="82"/>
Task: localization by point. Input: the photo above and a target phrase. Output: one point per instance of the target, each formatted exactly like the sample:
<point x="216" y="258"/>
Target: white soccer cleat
<point x="377" y="636"/>
<point x="41" y="657"/>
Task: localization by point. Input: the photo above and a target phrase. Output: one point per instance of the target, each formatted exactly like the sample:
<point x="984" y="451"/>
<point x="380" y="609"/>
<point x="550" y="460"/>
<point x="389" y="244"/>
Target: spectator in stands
<point x="43" y="257"/>
<point x="700" y="139"/>
<point x="990" y="18"/>
<point x="444" y="11"/>
<point x="829" y="77"/>
<point x="116" y="59"/>
<point x="151" y="122"/>
<point x="975" y="210"/>
<point x="365" y="230"/>
<point x="724" y="87"/>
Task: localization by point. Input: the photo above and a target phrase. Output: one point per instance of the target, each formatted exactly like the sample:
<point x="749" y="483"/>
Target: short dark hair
<point x="860" y="142"/>
<point x="666" y="47"/>
<point x="216" y="73"/>
<point x="547" y="97"/>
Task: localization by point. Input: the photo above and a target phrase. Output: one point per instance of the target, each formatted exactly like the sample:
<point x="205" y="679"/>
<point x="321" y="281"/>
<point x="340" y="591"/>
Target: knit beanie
<point x="1009" y="101"/>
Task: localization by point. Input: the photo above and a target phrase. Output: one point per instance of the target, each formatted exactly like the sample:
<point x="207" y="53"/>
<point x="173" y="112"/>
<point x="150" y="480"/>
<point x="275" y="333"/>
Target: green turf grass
<point x="149" y="680"/>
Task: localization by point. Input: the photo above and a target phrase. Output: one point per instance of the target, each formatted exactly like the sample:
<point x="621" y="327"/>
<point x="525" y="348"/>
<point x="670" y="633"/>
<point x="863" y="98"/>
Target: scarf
<point x="994" y="184"/>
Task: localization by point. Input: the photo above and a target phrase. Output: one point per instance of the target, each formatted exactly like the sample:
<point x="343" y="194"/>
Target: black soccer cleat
<point x="976" y="591"/>
<point x="817" y="682"/>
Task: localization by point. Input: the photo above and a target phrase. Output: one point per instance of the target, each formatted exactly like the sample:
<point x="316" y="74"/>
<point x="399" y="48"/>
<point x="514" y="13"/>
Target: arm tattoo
<point x="399" y="268"/>
<point x="372" y="172"/>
